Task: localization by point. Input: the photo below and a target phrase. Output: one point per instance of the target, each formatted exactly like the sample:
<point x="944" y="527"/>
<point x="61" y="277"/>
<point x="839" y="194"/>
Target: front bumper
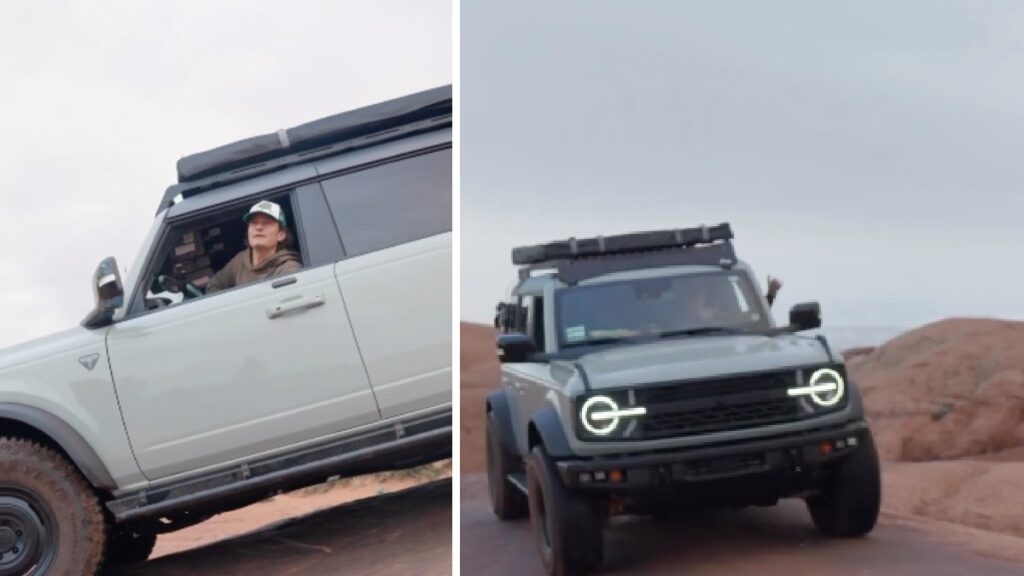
<point x="780" y="464"/>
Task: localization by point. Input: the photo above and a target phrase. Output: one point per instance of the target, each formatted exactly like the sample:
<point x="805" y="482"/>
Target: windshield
<point x="661" y="307"/>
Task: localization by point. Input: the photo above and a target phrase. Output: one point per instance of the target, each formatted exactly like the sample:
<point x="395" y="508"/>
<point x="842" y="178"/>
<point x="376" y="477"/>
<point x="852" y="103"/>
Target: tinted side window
<point x="535" y="320"/>
<point x="391" y="204"/>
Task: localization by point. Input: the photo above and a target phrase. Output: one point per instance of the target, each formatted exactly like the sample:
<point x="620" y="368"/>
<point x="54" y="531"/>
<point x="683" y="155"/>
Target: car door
<point x="395" y="224"/>
<point x="239" y="373"/>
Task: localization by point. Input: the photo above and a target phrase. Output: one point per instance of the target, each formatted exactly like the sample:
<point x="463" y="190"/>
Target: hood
<point x="279" y="258"/>
<point x="52" y="345"/>
<point x="699" y="357"/>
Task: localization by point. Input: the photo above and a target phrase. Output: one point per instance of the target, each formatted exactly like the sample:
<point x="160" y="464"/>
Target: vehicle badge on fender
<point x="89" y="360"/>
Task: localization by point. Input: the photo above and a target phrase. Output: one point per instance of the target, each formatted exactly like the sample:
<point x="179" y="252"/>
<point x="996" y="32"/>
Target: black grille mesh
<point x="715" y="405"/>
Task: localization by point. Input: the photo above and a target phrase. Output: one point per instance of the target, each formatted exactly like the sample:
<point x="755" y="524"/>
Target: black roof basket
<point x="577" y="259"/>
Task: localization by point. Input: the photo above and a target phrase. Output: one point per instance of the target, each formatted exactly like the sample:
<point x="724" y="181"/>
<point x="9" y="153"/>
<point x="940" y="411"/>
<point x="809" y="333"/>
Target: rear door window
<point x="392" y="204"/>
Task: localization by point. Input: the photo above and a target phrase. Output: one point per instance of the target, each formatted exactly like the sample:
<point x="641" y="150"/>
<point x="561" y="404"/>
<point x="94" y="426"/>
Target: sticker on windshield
<point x="575" y="333"/>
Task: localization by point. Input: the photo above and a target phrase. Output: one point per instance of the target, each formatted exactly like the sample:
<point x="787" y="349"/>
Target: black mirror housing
<point x="515" y="347"/>
<point x="509" y="317"/>
<point x="108" y="294"/>
<point x="805" y="316"/>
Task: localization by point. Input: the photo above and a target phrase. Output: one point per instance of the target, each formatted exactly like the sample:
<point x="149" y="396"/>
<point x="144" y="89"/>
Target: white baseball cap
<point x="269" y="208"/>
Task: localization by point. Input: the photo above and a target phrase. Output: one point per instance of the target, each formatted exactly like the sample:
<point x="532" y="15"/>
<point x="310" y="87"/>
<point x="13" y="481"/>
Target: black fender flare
<point x="69" y="440"/>
<point x="548" y="425"/>
<point x="497" y="404"/>
<point x="856" y="402"/>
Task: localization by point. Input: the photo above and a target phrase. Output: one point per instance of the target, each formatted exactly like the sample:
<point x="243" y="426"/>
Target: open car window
<point x="193" y="251"/>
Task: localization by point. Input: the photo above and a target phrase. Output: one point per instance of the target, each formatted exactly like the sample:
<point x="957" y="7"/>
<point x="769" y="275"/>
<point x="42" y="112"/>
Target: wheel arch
<point x="546" y="428"/>
<point x="498" y="406"/>
<point x="856" y="400"/>
<point x="24" y="421"/>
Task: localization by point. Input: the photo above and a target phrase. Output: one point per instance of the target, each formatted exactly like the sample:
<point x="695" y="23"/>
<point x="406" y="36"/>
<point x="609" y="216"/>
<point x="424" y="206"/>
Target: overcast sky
<point x="99" y="100"/>
<point x="868" y="153"/>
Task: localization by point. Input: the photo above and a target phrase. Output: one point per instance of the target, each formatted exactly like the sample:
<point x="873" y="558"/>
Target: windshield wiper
<point x="703" y="330"/>
<point x="666" y="334"/>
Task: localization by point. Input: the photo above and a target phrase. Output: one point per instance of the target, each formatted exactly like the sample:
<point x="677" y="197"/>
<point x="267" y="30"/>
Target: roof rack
<point x="577" y="259"/>
<point x="368" y="126"/>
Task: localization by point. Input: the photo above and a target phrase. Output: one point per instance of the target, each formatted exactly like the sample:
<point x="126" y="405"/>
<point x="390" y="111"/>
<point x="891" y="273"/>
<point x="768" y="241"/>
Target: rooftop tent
<point x="622" y="243"/>
<point x="434" y="105"/>
<point x="344" y="126"/>
<point x="579" y="258"/>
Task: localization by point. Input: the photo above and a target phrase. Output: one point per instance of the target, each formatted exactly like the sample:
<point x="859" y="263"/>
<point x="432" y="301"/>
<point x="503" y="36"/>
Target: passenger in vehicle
<point x="269" y="253"/>
<point x="704" y="306"/>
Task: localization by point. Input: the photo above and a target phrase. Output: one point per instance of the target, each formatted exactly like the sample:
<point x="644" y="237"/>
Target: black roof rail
<point x="578" y="259"/>
<point x="360" y="128"/>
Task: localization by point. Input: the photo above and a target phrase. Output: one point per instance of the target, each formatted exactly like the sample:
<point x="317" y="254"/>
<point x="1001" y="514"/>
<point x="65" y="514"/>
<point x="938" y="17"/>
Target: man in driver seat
<point x="269" y="253"/>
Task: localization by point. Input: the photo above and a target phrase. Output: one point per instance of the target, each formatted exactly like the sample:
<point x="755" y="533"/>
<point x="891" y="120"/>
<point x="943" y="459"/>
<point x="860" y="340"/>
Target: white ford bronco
<point x="643" y="373"/>
<point x="169" y="405"/>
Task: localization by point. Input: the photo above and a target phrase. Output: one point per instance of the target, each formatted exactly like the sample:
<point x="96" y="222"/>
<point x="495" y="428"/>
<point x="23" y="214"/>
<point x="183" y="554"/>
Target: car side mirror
<point x="108" y="294"/>
<point x="515" y="347"/>
<point x="509" y="317"/>
<point x="805" y="316"/>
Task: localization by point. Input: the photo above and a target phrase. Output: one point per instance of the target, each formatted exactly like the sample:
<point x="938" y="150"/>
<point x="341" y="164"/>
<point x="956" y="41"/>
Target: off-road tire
<point x="125" y="547"/>
<point x="507" y="501"/>
<point x="849" y="503"/>
<point x="567" y="526"/>
<point x="49" y="509"/>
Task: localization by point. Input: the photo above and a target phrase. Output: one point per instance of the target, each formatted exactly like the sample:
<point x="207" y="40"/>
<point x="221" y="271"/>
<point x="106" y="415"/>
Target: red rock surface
<point x="480" y="375"/>
<point x="951" y="389"/>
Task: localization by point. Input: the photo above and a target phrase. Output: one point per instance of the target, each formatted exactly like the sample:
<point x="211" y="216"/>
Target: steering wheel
<point x="194" y="290"/>
<point x="175" y="285"/>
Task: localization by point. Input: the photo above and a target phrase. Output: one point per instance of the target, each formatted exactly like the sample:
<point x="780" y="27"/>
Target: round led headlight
<point x="825" y="388"/>
<point x="600" y="415"/>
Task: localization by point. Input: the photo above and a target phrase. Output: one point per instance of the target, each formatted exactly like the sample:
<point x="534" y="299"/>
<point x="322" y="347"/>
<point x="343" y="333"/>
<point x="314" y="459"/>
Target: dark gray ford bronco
<point x="643" y="373"/>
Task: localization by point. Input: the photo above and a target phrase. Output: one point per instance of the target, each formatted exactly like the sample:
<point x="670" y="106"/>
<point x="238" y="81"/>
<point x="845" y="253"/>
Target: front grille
<point x="729" y="417"/>
<point x="716" y="405"/>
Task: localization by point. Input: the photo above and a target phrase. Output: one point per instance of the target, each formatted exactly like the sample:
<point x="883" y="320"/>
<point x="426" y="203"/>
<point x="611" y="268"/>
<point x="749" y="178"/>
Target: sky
<point x="99" y="100"/>
<point x="867" y="153"/>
